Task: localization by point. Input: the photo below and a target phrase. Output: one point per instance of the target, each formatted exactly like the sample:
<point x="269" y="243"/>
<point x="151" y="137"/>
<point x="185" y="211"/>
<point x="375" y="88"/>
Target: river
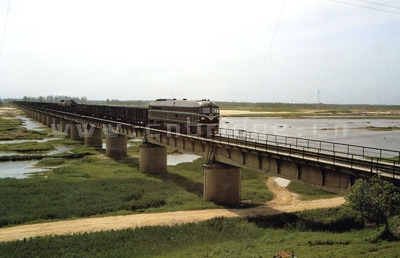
<point x="341" y="130"/>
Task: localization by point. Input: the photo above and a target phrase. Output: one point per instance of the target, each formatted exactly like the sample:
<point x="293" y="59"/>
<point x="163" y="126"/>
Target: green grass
<point x="11" y="129"/>
<point x="219" y="237"/>
<point x="27" y="147"/>
<point x="382" y="128"/>
<point x="253" y="186"/>
<point x="88" y="183"/>
<point x="308" y="192"/>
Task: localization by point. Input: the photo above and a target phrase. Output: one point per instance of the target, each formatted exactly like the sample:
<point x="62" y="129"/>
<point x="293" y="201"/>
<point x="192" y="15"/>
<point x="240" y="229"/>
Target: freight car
<point x="199" y="117"/>
<point x="130" y="115"/>
<point x="187" y="117"/>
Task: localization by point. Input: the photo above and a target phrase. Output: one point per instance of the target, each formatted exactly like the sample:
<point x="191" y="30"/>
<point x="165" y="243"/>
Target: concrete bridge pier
<point x="28" y="113"/>
<point x="44" y="119"/>
<point x="55" y="121"/>
<point x="153" y="159"/>
<point x="35" y="116"/>
<point x="94" y="137"/>
<point x="49" y="120"/>
<point x="65" y="127"/>
<point x="77" y="131"/>
<point x="116" y="145"/>
<point x="222" y="184"/>
<point x="39" y="117"/>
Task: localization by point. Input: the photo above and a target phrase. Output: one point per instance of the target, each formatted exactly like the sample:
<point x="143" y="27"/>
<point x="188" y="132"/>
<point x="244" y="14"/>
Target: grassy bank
<point x="10" y="129"/>
<point x="221" y="237"/>
<point x="91" y="184"/>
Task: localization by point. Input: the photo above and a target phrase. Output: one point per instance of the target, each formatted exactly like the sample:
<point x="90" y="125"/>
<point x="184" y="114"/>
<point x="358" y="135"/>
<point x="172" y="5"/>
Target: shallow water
<point x="31" y="124"/>
<point x="18" y="169"/>
<point x="175" y="159"/>
<point x="57" y="150"/>
<point x="348" y="131"/>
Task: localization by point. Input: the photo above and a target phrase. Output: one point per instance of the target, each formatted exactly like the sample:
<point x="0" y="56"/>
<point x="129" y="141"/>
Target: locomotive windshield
<point x="207" y="110"/>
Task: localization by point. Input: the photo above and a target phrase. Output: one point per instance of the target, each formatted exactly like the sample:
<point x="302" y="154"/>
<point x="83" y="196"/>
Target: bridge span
<point x="326" y="165"/>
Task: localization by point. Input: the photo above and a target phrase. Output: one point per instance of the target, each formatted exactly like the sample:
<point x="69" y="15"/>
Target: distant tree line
<point x="279" y="106"/>
<point x="84" y="100"/>
<point x="55" y="99"/>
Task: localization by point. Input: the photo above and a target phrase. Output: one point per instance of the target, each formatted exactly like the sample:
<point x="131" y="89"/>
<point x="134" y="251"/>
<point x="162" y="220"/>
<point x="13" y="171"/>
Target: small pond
<point x="18" y="169"/>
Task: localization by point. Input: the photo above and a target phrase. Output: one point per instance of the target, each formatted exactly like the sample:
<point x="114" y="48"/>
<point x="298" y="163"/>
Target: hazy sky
<point x="257" y="51"/>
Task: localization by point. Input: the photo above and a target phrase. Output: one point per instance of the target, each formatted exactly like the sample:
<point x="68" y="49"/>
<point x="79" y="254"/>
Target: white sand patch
<point x="282" y="182"/>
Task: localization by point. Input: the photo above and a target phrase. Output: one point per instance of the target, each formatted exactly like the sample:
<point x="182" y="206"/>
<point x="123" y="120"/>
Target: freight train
<point x="196" y="117"/>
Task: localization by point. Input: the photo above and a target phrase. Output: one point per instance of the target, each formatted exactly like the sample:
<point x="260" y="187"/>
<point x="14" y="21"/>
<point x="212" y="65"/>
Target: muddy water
<point x="31" y="124"/>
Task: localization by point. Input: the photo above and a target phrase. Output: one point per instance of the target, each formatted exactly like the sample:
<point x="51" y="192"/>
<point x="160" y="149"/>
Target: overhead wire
<point x="276" y="28"/>
<point x="366" y="7"/>
<point x="5" y="24"/>
<point x="385" y="5"/>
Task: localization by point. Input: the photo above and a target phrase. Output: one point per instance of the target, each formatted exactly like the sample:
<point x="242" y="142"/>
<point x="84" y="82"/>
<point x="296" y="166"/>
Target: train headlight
<point x="203" y="118"/>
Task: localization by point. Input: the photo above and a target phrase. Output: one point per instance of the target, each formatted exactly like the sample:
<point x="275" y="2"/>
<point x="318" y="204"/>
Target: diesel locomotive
<point x="199" y="117"/>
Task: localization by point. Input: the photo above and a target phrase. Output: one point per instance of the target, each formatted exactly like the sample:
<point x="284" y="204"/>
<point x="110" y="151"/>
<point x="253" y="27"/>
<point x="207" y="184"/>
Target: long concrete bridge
<point x="326" y="165"/>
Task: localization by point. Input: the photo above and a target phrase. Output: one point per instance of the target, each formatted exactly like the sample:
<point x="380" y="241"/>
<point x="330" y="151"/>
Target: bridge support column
<point x="49" y="119"/>
<point x="39" y="117"/>
<point x="44" y="119"/>
<point x="77" y="131"/>
<point x="116" y="145"/>
<point x="153" y="159"/>
<point x="65" y="127"/>
<point x="94" y="138"/>
<point x="35" y="116"/>
<point x="55" y="121"/>
<point x="222" y="184"/>
<point x="28" y="113"/>
<point x="58" y="127"/>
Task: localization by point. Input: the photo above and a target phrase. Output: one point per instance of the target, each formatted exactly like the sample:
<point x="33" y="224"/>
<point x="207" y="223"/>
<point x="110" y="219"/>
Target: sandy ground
<point x="8" y="112"/>
<point x="245" y="112"/>
<point x="284" y="201"/>
<point x="360" y="113"/>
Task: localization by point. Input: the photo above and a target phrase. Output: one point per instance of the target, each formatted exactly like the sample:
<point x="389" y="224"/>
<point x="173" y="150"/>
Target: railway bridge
<point x="326" y="165"/>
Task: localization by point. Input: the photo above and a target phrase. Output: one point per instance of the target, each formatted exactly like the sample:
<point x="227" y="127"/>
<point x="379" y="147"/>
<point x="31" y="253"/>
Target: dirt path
<point x="284" y="201"/>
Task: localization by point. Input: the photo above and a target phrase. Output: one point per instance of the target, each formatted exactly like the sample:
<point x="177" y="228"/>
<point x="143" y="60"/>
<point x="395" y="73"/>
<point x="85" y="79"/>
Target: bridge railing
<point x="333" y="148"/>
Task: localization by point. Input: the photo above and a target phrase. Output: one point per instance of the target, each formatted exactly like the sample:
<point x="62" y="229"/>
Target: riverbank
<point x="358" y="114"/>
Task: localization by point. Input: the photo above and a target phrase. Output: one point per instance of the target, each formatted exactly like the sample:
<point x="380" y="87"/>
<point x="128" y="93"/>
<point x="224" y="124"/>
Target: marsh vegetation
<point x="86" y="183"/>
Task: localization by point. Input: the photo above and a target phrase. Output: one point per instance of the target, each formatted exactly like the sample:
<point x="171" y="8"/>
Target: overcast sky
<point x="254" y="51"/>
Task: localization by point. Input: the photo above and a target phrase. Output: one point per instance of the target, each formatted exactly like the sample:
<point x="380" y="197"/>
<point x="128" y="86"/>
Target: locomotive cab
<point x="198" y="117"/>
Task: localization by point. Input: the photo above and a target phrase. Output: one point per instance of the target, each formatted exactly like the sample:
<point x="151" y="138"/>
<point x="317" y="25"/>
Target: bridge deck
<point x="356" y="158"/>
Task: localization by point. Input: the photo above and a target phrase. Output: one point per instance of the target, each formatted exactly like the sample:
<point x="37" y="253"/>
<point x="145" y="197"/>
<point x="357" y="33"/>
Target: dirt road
<point x="284" y="201"/>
